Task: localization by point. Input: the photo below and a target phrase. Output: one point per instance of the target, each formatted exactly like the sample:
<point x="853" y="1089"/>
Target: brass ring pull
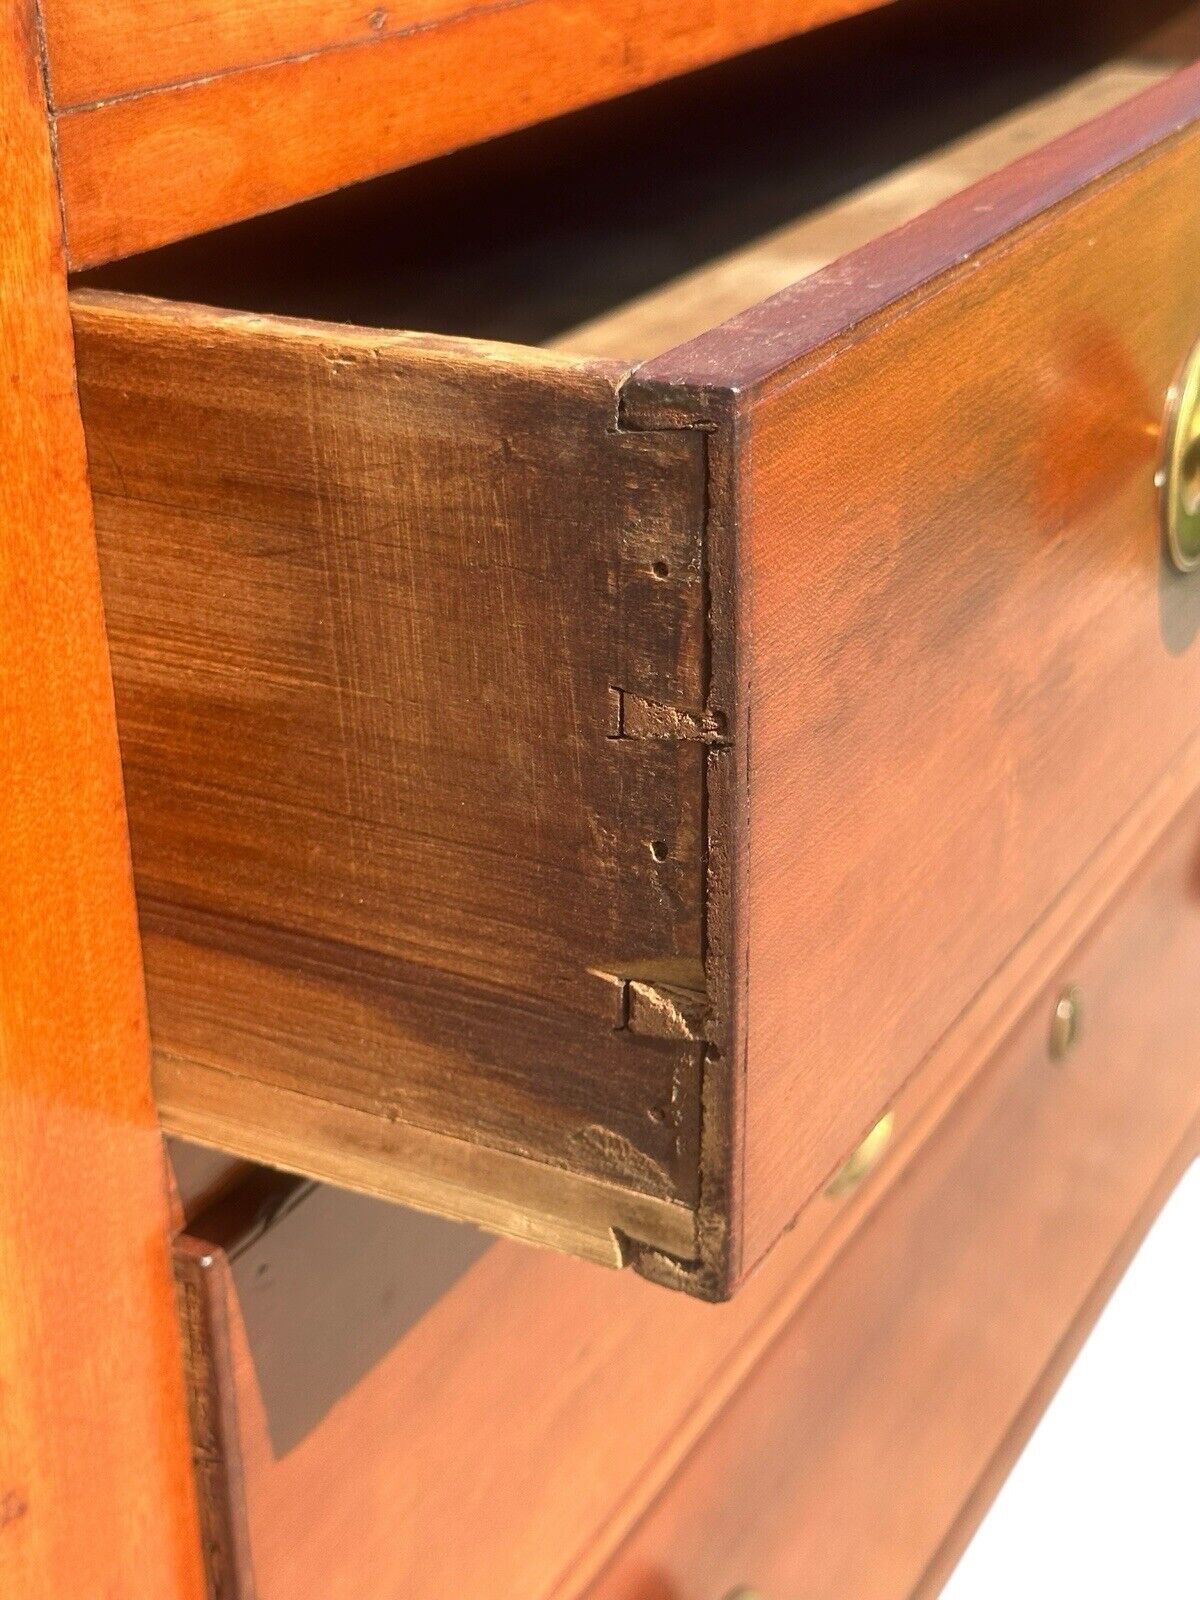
<point x="1179" y="475"/>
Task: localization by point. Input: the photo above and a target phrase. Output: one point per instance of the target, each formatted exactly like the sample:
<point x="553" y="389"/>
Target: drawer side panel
<point x="378" y="606"/>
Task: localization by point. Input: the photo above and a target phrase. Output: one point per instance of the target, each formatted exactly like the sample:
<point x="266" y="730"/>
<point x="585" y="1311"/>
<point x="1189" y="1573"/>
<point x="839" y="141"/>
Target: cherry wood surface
<point x="354" y="1407"/>
<point x="135" y="46"/>
<point x="476" y="957"/>
<point x="169" y="124"/>
<point x="995" y="655"/>
<point x="869" y="1440"/>
<point x="95" y="1489"/>
<point x="830" y="852"/>
<point x="364" y="1378"/>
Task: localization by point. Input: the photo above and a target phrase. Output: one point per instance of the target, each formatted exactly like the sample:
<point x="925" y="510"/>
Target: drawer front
<point x="963" y="656"/>
<point x="866" y="1445"/>
<point x="360" y="1375"/>
<point x="583" y="801"/>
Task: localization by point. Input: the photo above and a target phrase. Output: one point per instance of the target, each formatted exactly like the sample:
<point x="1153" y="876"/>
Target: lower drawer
<point x="363" y="1389"/>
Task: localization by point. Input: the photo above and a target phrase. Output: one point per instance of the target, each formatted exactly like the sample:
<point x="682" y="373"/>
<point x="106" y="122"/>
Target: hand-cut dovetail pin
<point x="863" y="1159"/>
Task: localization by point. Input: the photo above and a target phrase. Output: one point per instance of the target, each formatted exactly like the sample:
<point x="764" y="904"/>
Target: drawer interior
<point x="625" y="230"/>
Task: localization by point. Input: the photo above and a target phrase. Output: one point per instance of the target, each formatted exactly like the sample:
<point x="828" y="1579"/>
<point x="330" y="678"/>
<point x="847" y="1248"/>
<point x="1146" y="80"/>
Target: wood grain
<point x="1019" y="1205"/>
<point x="996" y="657"/>
<point x="473" y="947"/>
<point x="869" y="1440"/>
<point x="269" y="104"/>
<point x="142" y="45"/>
<point x="365" y="978"/>
<point x="94" y="1480"/>
<point x="448" y="1418"/>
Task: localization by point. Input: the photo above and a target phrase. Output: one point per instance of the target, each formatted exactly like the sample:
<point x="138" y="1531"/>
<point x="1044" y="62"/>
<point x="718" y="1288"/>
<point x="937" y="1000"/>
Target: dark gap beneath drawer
<point x="327" y="1282"/>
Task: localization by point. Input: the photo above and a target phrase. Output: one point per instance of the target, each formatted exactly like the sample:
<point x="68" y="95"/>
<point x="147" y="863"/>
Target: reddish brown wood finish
<point x="870" y="1439"/>
<point x="360" y="1500"/>
<point x="945" y="663"/>
<point x="168" y="126"/>
<point x="95" y="1492"/>
<point x="976" y="1270"/>
<point x="944" y="487"/>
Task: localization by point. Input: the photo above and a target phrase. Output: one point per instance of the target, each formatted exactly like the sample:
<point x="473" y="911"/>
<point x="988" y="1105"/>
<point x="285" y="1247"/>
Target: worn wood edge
<point x="942" y="1073"/>
<point x="777" y="342"/>
<point x="947" y="1072"/>
<point x="715" y="1265"/>
<point x="201" y="1276"/>
<point x="95" y="312"/>
<point x="503" y="1193"/>
<point x="1009" y="1448"/>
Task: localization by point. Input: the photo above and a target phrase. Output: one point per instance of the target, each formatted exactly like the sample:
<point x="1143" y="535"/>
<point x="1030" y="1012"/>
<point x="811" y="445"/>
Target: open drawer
<point x="580" y="790"/>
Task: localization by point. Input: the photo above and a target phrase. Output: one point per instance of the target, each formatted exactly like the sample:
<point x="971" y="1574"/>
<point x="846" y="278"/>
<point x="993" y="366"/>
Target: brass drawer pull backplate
<point x="1179" y="475"/>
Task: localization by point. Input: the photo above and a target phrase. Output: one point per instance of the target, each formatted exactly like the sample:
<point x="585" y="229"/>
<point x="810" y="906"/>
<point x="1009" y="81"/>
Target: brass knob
<point x="1179" y="474"/>
<point x="863" y="1159"/>
<point x="1065" y="1024"/>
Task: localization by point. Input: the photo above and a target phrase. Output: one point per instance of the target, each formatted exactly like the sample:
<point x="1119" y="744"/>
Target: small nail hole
<point x="658" y="849"/>
<point x="660" y="569"/>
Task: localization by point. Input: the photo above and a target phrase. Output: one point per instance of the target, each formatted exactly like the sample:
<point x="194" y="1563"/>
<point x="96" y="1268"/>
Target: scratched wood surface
<point x="371" y="991"/>
<point x="482" y="930"/>
<point x="95" y="1491"/>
